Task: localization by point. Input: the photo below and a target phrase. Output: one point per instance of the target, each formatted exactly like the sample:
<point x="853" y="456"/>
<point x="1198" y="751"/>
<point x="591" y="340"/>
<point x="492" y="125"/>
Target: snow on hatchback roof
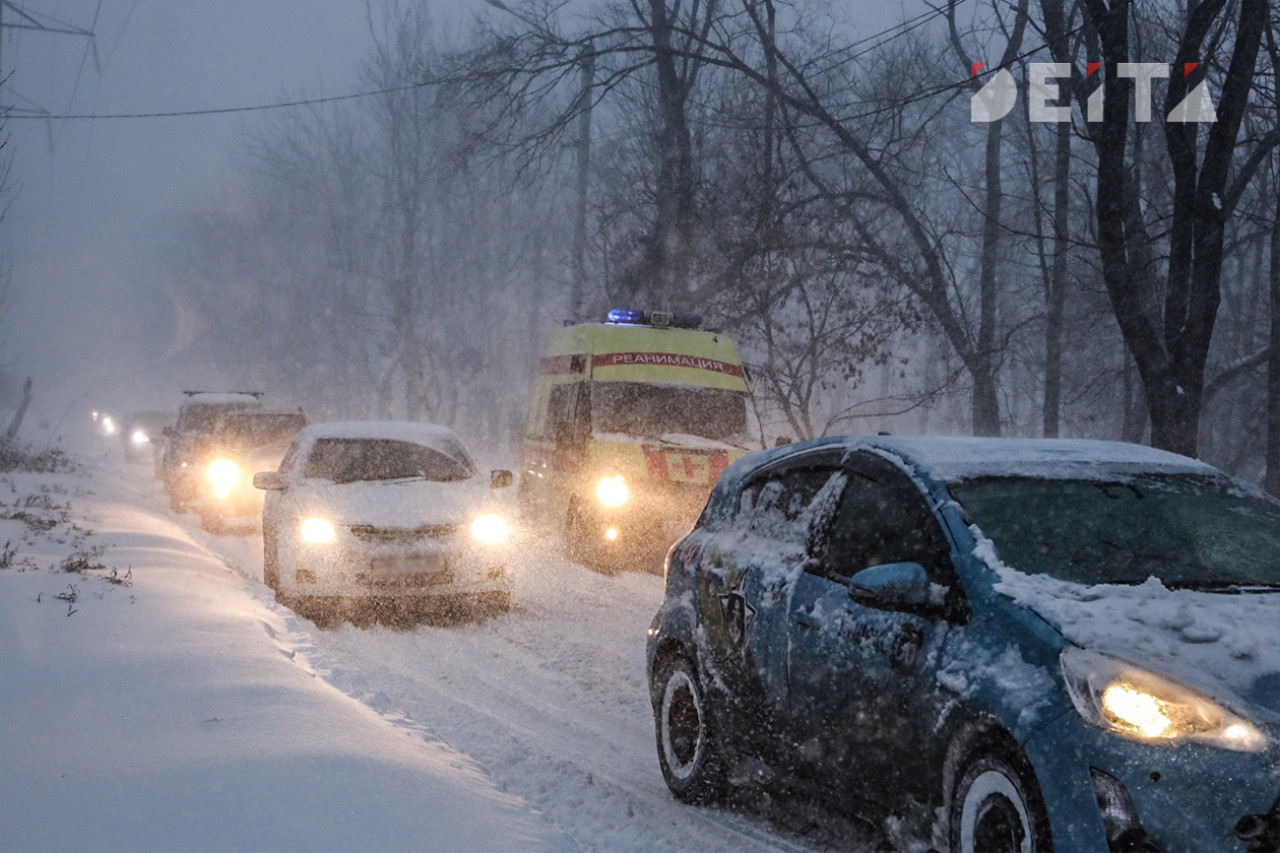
<point x="952" y="459"/>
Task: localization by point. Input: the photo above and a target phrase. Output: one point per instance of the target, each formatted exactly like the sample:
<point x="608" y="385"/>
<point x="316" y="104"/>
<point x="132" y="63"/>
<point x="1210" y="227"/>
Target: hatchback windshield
<point x="638" y="408"/>
<point x="345" y="460"/>
<point x="1186" y="530"/>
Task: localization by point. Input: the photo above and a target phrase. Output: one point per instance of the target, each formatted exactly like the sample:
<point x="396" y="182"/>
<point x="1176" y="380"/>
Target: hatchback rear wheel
<point x="688" y="750"/>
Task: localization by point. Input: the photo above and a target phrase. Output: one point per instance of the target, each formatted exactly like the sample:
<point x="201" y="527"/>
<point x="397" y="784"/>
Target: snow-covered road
<point x="550" y="700"/>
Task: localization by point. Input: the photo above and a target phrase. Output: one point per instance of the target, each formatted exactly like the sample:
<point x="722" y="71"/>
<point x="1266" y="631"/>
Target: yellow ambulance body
<point x="629" y="425"/>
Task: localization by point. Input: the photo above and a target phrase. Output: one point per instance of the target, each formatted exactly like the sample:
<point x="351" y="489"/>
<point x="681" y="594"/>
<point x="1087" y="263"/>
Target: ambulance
<point x="630" y="422"/>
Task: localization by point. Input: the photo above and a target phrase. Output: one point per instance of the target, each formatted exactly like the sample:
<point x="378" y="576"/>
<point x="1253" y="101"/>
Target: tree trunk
<point x="1273" y="362"/>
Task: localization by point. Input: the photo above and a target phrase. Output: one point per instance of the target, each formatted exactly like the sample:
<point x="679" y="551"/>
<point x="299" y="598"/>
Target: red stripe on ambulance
<point x="665" y="359"/>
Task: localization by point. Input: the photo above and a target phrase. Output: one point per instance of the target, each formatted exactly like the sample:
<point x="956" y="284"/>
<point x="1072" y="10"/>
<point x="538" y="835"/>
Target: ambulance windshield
<point x="652" y="411"/>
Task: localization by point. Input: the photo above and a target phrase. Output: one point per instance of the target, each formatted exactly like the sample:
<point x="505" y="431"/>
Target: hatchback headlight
<point x="612" y="491"/>
<point x="317" y="531"/>
<point x="491" y="529"/>
<point x="1141" y="704"/>
<point x="223" y="475"/>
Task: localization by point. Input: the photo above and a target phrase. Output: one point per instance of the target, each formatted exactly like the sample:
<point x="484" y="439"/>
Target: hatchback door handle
<point x="807" y="619"/>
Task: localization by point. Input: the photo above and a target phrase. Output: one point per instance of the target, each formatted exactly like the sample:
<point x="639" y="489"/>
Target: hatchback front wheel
<point x="996" y="807"/>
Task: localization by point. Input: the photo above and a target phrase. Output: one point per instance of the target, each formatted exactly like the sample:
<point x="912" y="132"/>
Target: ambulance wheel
<point x="580" y="544"/>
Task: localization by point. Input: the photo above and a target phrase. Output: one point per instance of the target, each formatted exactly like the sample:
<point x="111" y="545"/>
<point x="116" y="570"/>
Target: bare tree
<point x="1170" y="338"/>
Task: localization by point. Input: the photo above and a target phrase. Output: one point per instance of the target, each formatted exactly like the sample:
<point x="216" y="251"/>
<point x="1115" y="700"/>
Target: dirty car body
<point x="199" y="418"/>
<point x="1044" y="644"/>
<point x="242" y="444"/>
<point x="376" y="512"/>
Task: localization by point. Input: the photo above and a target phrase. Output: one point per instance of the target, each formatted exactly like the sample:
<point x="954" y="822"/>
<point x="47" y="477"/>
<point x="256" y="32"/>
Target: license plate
<point x="410" y="564"/>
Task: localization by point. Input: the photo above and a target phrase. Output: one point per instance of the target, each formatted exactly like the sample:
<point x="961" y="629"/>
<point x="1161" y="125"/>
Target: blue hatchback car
<point x="988" y="644"/>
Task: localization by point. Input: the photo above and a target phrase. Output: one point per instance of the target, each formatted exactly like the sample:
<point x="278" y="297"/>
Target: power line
<point x="227" y="110"/>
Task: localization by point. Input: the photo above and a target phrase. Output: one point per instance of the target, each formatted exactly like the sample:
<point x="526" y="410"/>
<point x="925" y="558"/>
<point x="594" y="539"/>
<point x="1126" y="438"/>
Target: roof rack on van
<point x="256" y="394"/>
<point x="660" y="319"/>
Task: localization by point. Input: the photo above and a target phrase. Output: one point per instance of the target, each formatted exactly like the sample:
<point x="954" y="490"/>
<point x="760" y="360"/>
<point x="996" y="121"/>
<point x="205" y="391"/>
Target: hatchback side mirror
<point x="269" y="481"/>
<point x="500" y="478"/>
<point x="897" y="586"/>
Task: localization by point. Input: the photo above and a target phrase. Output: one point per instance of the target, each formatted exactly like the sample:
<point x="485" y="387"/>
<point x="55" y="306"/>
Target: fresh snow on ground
<point x="174" y="705"/>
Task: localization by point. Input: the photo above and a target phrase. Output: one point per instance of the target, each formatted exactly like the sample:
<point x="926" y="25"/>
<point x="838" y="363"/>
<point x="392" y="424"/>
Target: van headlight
<point x="1144" y="705"/>
<point x="491" y="529"/>
<point x="317" y="531"/>
<point x="612" y="491"/>
<point x="223" y="475"/>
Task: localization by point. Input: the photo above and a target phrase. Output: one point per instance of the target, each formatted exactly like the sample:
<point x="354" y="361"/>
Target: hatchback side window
<point x="882" y="521"/>
<point x="788" y="506"/>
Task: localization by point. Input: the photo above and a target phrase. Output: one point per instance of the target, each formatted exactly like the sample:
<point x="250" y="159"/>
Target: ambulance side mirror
<point x="568" y="435"/>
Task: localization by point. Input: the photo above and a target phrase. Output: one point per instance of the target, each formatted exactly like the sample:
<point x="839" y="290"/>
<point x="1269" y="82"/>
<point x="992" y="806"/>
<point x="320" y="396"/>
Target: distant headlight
<point x="1114" y="695"/>
<point x="223" y="475"/>
<point x="491" y="529"/>
<point x="139" y="437"/>
<point x="108" y="425"/>
<point x="613" y="491"/>
<point x="317" y="531"/>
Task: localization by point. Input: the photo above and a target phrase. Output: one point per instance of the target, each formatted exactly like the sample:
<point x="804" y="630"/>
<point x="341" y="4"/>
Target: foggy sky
<point x="89" y="196"/>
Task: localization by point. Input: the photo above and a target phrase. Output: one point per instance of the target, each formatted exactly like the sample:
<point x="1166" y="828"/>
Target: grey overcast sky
<point x="87" y="197"/>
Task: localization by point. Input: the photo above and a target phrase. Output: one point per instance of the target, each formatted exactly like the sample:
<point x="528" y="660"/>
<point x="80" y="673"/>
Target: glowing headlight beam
<point x="139" y="437"/>
<point x="491" y="529"/>
<point x="1140" y="703"/>
<point x="223" y="475"/>
<point x="612" y="491"/>
<point x="317" y="531"/>
<point x="1140" y="711"/>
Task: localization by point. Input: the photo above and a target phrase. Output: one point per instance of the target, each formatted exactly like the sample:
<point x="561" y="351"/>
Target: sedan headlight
<point x="1138" y="703"/>
<point x="317" y="531"/>
<point x="223" y="475"/>
<point x="613" y="491"/>
<point x="491" y="529"/>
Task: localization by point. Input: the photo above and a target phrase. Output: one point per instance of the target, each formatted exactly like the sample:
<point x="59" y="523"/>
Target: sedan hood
<point x="1225" y="645"/>
<point x="403" y="504"/>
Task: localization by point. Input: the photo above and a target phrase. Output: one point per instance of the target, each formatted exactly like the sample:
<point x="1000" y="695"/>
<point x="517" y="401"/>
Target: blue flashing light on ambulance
<point x="630" y="422"/>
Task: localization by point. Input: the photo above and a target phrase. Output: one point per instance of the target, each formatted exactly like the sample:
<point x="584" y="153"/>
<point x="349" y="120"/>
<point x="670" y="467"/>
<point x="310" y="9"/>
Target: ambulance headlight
<point x="223" y="475"/>
<point x="612" y="491"/>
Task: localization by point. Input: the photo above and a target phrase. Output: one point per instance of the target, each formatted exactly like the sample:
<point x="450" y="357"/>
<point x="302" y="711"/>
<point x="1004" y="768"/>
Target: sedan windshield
<point x="1187" y="530"/>
<point x="638" y="408"/>
<point x="345" y="460"/>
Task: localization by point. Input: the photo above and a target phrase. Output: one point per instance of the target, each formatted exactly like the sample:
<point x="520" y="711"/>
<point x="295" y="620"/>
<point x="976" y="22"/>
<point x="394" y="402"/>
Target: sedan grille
<point x="402" y="535"/>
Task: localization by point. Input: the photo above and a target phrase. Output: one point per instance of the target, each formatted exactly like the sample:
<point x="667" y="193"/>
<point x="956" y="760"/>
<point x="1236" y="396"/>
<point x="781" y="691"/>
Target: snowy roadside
<point x="153" y="710"/>
<point x="188" y="710"/>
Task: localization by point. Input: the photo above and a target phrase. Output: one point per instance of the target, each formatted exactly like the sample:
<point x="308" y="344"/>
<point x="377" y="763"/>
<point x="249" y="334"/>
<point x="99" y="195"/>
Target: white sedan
<point x="369" y="516"/>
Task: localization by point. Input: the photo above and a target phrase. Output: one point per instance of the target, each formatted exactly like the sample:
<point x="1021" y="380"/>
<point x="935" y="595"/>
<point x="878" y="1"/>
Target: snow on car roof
<point x="431" y="435"/>
<point x="952" y="459"/>
<point x="221" y="397"/>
